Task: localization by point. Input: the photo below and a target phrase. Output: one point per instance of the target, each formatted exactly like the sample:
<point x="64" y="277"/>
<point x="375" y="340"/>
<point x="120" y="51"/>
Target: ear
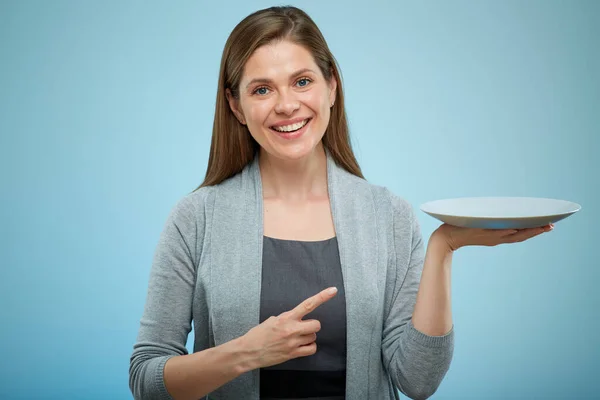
<point x="332" y="89"/>
<point x="234" y="104"/>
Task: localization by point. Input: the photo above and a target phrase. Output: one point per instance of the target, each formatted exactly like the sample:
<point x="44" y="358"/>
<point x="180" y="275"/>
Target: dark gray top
<point x="292" y="272"/>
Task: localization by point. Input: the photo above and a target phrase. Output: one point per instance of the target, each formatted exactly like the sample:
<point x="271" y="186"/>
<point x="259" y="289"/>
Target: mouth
<point x="288" y="130"/>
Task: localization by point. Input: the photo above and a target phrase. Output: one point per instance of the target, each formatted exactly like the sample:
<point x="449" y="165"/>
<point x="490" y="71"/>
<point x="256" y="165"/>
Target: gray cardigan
<point x="207" y="269"/>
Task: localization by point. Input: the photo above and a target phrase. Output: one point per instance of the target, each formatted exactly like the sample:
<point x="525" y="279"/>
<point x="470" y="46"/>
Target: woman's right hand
<point x="286" y="336"/>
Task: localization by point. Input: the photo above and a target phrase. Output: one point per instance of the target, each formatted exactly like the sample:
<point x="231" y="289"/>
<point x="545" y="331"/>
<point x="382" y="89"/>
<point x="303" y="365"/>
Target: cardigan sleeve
<point x="416" y="362"/>
<point x="167" y="315"/>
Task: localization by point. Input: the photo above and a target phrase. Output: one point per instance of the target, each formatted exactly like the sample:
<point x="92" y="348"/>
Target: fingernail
<point x="332" y="290"/>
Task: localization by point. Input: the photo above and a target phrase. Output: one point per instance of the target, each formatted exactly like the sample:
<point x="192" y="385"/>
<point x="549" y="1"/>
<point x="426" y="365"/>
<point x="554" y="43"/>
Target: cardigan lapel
<point x="236" y="267"/>
<point x="355" y="225"/>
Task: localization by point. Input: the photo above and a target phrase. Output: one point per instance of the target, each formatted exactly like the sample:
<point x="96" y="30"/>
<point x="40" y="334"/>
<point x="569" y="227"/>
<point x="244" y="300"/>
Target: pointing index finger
<point x="310" y="304"/>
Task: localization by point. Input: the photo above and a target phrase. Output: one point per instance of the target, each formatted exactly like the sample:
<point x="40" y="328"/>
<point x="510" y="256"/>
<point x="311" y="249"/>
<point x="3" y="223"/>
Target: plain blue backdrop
<point x="106" y="111"/>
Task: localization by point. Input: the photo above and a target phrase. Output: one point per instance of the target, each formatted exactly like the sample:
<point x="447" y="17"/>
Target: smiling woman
<point x="286" y="112"/>
<point x="285" y="226"/>
<point x="277" y="71"/>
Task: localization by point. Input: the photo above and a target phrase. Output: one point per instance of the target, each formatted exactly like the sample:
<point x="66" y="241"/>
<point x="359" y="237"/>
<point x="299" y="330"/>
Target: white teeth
<point x="290" y="128"/>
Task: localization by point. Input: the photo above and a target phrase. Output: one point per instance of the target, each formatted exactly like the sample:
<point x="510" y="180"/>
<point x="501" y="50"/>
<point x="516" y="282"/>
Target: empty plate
<point x="500" y="212"/>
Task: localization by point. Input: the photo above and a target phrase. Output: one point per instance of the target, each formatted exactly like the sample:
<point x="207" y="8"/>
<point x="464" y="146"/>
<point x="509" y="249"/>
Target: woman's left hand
<point x="456" y="237"/>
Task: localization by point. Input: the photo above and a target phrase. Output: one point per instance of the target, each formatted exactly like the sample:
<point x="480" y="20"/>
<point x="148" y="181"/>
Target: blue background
<point x="106" y="111"/>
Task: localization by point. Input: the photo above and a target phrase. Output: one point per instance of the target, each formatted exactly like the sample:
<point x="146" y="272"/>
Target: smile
<point x="291" y="127"/>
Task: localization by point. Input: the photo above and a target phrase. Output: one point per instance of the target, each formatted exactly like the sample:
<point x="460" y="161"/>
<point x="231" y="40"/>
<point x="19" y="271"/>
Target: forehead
<point x="278" y="59"/>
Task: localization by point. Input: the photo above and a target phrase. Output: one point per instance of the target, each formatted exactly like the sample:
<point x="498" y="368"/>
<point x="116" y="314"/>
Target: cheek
<point x="259" y="113"/>
<point x="317" y="101"/>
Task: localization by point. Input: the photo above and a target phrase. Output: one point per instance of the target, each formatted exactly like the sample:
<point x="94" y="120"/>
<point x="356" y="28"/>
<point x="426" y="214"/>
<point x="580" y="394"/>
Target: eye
<point x="303" y="82"/>
<point x="261" y="91"/>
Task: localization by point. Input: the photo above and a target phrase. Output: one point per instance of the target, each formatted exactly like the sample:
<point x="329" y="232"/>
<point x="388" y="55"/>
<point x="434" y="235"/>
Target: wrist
<point x="246" y="360"/>
<point x="440" y="244"/>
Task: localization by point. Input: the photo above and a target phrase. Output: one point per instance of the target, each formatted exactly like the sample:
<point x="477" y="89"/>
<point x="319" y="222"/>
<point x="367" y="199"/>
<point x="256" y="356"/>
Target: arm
<point x="160" y="367"/>
<point x="195" y="375"/>
<point x="433" y="310"/>
<point x="416" y="360"/>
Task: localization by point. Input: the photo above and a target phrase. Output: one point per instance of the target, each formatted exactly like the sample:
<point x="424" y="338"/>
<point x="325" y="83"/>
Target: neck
<point x="294" y="179"/>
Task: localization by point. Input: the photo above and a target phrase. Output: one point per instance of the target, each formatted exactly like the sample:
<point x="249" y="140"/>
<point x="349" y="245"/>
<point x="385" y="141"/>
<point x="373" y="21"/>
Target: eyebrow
<point x="266" y="81"/>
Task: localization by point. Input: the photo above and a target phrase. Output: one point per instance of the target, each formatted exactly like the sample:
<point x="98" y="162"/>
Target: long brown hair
<point x="232" y="147"/>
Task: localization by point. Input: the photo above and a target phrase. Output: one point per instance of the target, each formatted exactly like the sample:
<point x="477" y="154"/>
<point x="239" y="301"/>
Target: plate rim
<point x="577" y="207"/>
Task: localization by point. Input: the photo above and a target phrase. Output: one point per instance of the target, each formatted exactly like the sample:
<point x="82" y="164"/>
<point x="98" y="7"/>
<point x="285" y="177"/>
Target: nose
<point x="286" y="103"/>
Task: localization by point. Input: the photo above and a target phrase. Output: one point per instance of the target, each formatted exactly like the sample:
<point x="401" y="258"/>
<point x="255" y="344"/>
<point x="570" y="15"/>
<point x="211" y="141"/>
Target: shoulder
<point x="202" y="200"/>
<point x="402" y="212"/>
<point x="190" y="208"/>
<point x="382" y="197"/>
<point x="193" y="201"/>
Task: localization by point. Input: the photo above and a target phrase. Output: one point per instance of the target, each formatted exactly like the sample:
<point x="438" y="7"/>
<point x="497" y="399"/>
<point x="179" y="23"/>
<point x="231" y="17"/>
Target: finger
<point x="312" y="303"/>
<point x="532" y="231"/>
<point x="303" y="351"/>
<point x="501" y="231"/>
<point x="525" y="234"/>
<point x="309" y="326"/>
<point x="307" y="339"/>
<point x="506" y="232"/>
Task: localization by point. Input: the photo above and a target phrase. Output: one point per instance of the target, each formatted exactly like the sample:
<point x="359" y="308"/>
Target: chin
<point x="293" y="150"/>
<point x="292" y="154"/>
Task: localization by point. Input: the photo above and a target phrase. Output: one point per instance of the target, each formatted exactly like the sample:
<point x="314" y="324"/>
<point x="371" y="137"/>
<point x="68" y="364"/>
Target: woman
<point x="283" y="216"/>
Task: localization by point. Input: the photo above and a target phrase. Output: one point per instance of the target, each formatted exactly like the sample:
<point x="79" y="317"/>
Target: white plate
<point x="500" y="212"/>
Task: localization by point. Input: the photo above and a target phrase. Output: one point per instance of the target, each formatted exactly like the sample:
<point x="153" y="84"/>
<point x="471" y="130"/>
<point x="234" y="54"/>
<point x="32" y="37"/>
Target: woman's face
<point x="284" y="100"/>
